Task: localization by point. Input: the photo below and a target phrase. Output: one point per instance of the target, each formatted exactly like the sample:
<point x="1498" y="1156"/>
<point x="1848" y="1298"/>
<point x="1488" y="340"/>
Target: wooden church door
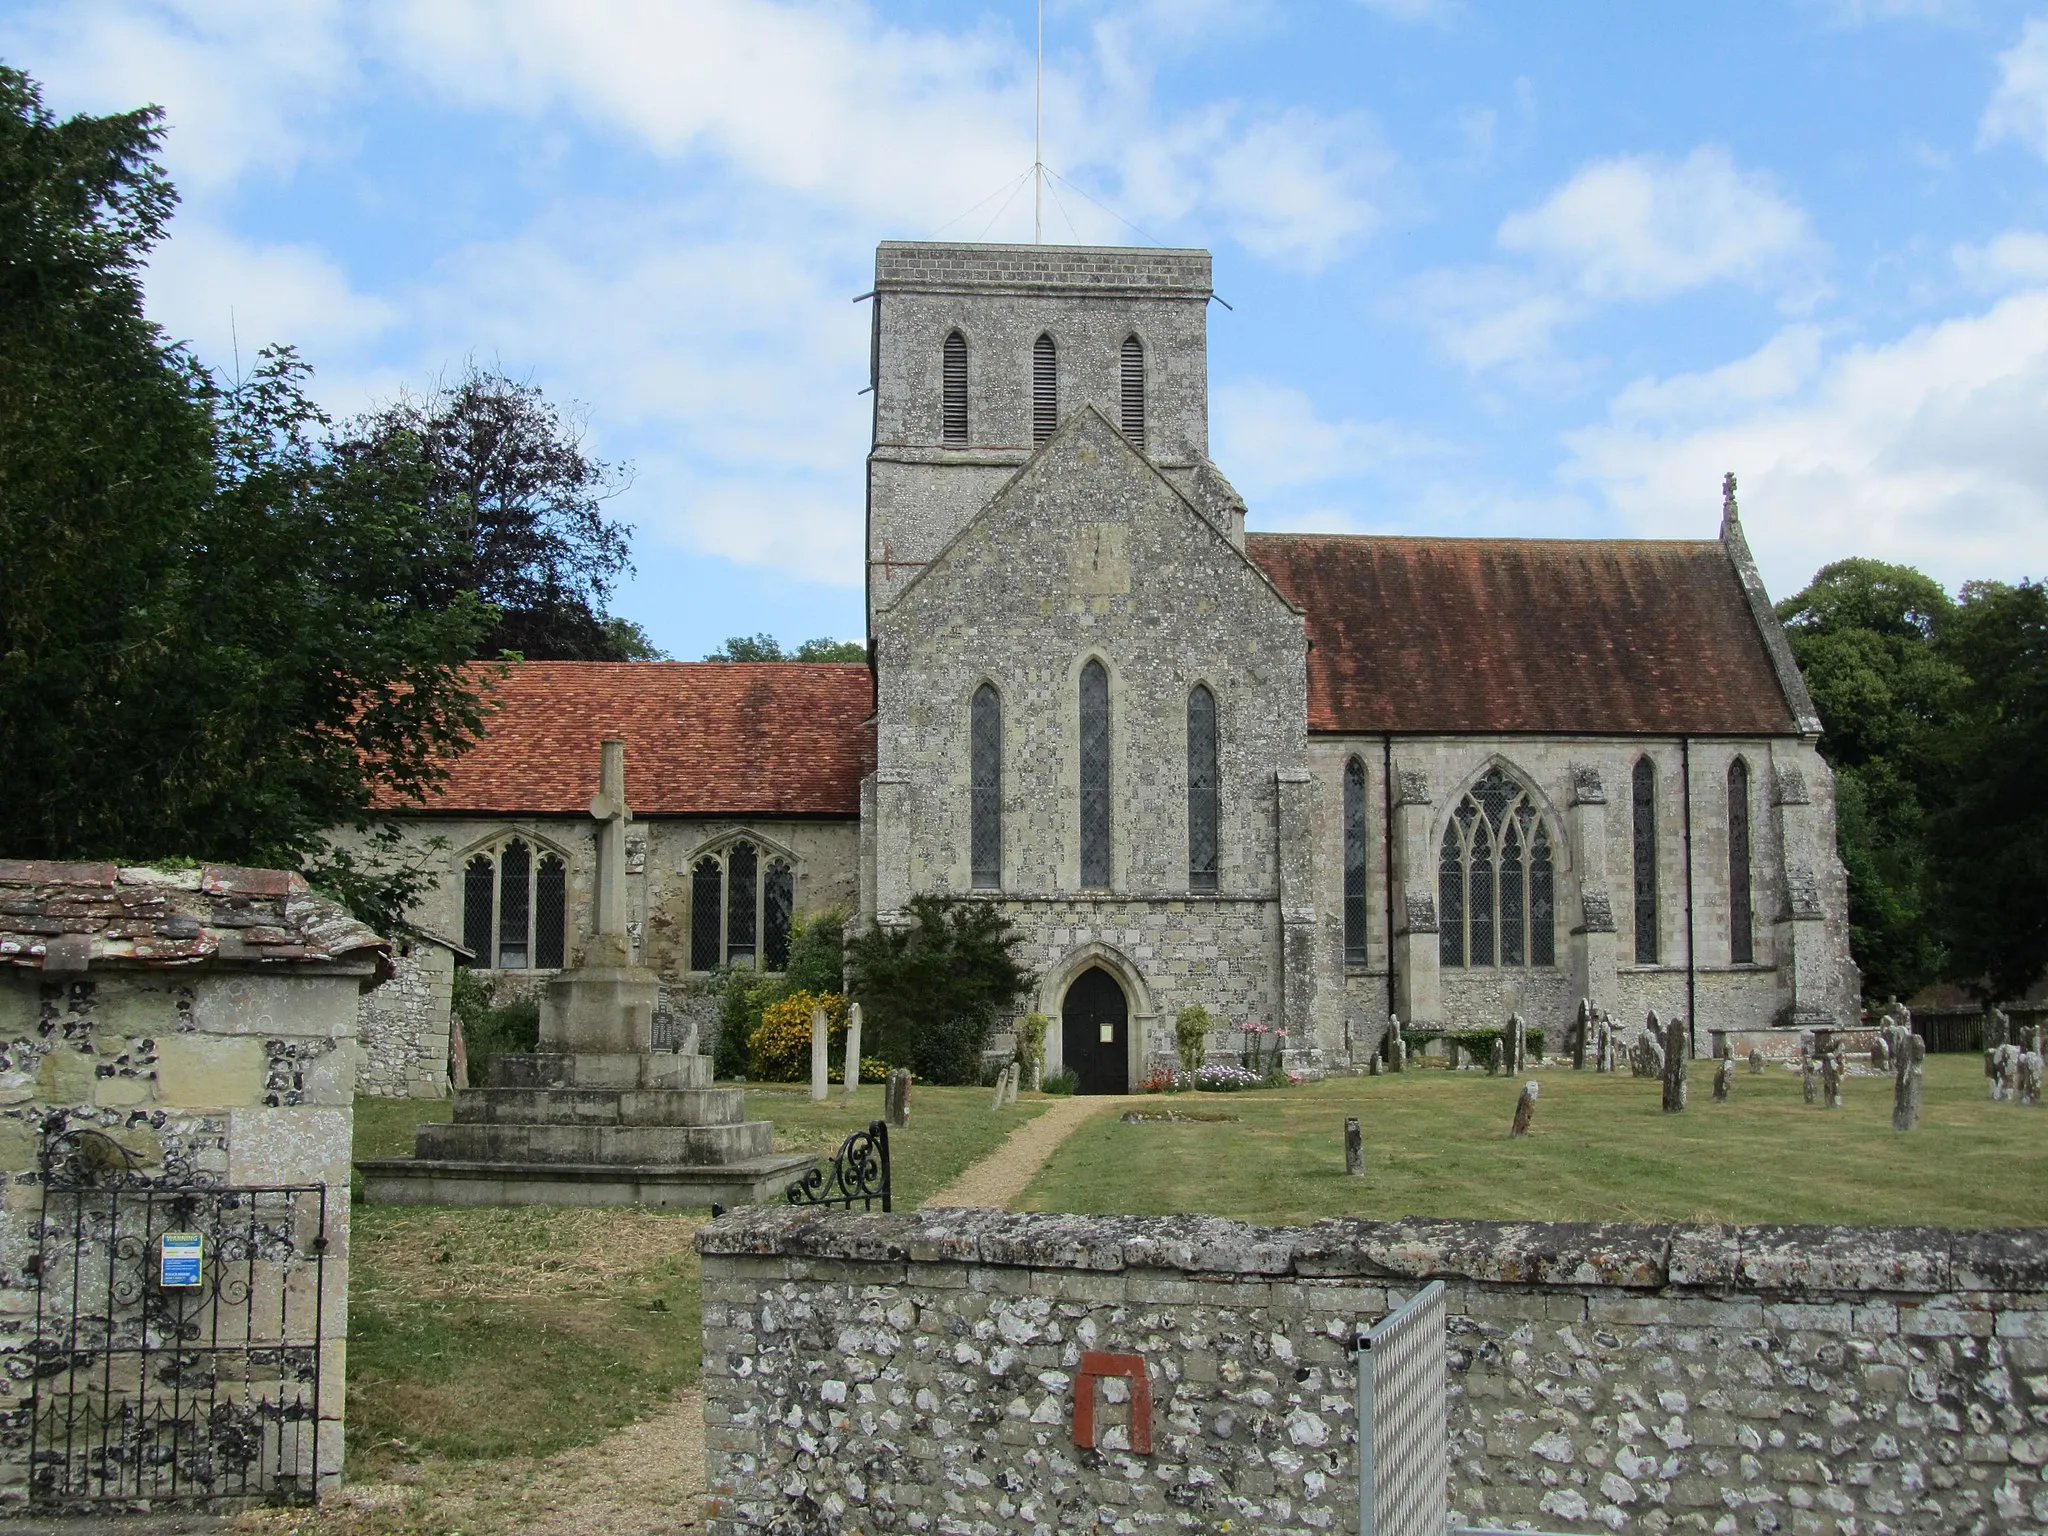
<point x="1094" y="1025"/>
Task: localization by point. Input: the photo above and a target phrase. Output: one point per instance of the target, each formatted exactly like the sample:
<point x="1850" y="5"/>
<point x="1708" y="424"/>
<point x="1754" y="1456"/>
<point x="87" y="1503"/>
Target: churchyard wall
<point x="402" y="1027"/>
<point x="916" y="1373"/>
<point x="205" y="1020"/>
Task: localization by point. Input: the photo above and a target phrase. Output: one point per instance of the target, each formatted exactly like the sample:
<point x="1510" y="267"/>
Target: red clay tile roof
<point x="1586" y="637"/>
<point x="702" y="739"/>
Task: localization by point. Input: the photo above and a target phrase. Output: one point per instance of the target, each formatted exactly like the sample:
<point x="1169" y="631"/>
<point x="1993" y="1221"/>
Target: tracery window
<point x="985" y="833"/>
<point x="1741" y="938"/>
<point x="1354" y="862"/>
<point x="1496" y="880"/>
<point x="1133" y="391"/>
<point x="1094" y="775"/>
<point x="741" y="902"/>
<point x="953" y="390"/>
<point x="1645" y="807"/>
<point x="1045" y="389"/>
<point x="1204" y="792"/>
<point x="514" y="906"/>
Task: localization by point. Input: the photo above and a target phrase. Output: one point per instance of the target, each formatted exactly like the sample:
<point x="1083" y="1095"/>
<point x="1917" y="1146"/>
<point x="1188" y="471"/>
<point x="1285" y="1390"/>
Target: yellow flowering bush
<point x="779" y="1049"/>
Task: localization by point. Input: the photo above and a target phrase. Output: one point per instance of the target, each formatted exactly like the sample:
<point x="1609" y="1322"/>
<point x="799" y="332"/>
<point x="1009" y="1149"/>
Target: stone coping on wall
<point x="1628" y="1256"/>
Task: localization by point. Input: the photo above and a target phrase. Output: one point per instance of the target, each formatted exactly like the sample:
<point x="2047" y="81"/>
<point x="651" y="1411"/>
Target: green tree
<point x="1867" y="637"/>
<point x="765" y="647"/>
<point x="1990" y="843"/>
<point x="222" y="635"/>
<point x="511" y="471"/>
<point x="933" y="988"/>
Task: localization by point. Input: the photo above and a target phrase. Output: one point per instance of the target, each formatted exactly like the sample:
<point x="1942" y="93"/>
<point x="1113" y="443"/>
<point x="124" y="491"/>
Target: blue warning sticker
<point x="179" y="1259"/>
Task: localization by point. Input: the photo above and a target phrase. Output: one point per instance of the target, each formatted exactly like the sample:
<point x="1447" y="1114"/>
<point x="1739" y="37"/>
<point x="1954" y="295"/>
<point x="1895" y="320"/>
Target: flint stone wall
<point x="402" y="1028"/>
<point x="914" y="1373"/>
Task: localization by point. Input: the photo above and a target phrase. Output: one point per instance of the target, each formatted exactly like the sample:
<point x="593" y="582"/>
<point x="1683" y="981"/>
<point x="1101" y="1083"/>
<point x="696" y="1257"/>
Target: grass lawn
<point x="519" y="1332"/>
<point x="1436" y="1144"/>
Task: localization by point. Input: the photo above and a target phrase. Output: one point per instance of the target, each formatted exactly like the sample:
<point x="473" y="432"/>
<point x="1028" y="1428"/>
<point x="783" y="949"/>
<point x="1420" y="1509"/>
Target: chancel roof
<point x="702" y="739"/>
<point x="1566" y="636"/>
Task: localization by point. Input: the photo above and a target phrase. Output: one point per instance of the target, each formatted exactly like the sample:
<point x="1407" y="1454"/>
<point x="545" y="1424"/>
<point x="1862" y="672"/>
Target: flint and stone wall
<point x="914" y="1373"/>
<point x="402" y="1028"/>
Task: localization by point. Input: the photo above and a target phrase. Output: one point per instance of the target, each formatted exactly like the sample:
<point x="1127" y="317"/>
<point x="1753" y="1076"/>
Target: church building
<point x="1307" y="781"/>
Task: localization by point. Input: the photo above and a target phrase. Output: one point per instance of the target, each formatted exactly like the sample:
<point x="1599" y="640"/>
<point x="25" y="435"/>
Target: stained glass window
<point x="985" y="810"/>
<point x="514" y="907"/>
<point x="1204" y="794"/>
<point x="1133" y="392"/>
<point x="1645" y="797"/>
<point x="479" y="898"/>
<point x="778" y="901"/>
<point x="953" y="404"/>
<point x="1045" y="389"/>
<point x="1354" y="862"/>
<point x="1496" y="880"/>
<point x="707" y="934"/>
<point x="1095" y="757"/>
<point x="1741" y="938"/>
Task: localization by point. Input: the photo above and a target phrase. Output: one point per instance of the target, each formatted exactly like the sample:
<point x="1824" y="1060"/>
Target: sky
<point x="1491" y="268"/>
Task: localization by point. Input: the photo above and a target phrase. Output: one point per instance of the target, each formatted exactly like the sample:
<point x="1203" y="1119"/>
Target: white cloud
<point x="1493" y="317"/>
<point x="1927" y="450"/>
<point x="224" y="295"/>
<point x="1270" y="438"/>
<point x="2019" y="107"/>
<point x="243" y="83"/>
<point x="1640" y="227"/>
<point x="1290" y="188"/>
<point x="2016" y="257"/>
<point x="1860" y="13"/>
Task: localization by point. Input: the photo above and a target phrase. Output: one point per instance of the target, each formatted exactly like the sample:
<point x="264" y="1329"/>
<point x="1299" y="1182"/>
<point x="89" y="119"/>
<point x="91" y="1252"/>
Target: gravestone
<point x="1397" y="1048"/>
<point x="1809" y="1075"/>
<point x="1498" y="1062"/>
<point x="852" y="1080"/>
<point x="2028" y="1078"/>
<point x="1354" y="1149"/>
<point x="1002" y="1086"/>
<point x="1831" y="1079"/>
<point x="896" y="1097"/>
<point x="596" y="1116"/>
<point x="1909" y="1083"/>
<point x="1373" y="1068"/>
<point x="1724" y="1080"/>
<point x="1518" y="1044"/>
<point x="821" y="1054"/>
<point x="1646" y="1055"/>
<point x="1756" y="1061"/>
<point x="1997" y="1029"/>
<point x="1603" y="1046"/>
<point x="1880" y="1054"/>
<point x="1525" y="1108"/>
<point x="1582" y="1030"/>
<point x="1676" y="1053"/>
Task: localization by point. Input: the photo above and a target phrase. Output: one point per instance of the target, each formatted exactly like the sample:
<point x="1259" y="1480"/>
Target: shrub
<point x="1159" y="1080"/>
<point x="489" y="1031"/>
<point x="1478" y="1043"/>
<point x="1229" y="1077"/>
<point x="1191" y="1034"/>
<point x="1031" y="1032"/>
<point x="933" y="989"/>
<point x="817" y="952"/>
<point x="779" y="1050"/>
<point x="743" y="997"/>
<point x="1062" y="1082"/>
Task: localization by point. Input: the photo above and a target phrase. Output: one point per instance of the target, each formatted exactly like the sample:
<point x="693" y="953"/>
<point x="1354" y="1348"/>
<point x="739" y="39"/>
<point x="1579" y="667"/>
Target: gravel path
<point x="998" y="1180"/>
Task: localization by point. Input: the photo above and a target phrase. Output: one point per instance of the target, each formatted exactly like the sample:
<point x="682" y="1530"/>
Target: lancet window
<point x="1354" y="862"/>
<point x="514" y="906"/>
<point x="741" y="900"/>
<point x="1741" y="934"/>
<point x="1204" y="790"/>
<point x="1645" y="807"/>
<point x="1045" y="389"/>
<point x="1496" y="880"/>
<point x="1095" y="764"/>
<point x="953" y="390"/>
<point x="985" y="747"/>
<point x="1133" y="391"/>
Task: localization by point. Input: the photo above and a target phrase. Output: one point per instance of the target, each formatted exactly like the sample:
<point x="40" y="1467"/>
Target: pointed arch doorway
<point x="1095" y="1022"/>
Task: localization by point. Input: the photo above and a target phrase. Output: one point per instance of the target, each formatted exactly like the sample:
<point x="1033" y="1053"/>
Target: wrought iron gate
<point x="149" y="1388"/>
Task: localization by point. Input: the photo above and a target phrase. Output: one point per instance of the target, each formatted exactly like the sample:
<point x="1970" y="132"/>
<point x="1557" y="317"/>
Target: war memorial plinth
<point x="596" y="1116"/>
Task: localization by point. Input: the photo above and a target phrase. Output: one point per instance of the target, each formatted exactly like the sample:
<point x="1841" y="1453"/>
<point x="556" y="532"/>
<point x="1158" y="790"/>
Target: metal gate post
<point x="1407" y="1393"/>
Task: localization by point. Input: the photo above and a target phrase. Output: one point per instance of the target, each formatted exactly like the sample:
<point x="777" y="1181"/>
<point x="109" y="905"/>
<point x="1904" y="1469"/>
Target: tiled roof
<point x="702" y="739"/>
<point x="1585" y="637"/>
<point x="69" y="917"/>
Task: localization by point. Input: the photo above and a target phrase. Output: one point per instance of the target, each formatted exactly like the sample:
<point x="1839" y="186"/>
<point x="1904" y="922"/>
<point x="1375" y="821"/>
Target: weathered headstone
<point x="1676" y="1052"/>
<point x="1354" y="1149"/>
<point x="1880" y="1053"/>
<point x="1646" y="1056"/>
<point x="1756" y="1061"/>
<point x="896" y="1097"/>
<point x="821" y="1055"/>
<point x="1373" y="1067"/>
<point x="1831" y="1079"/>
<point x="1724" y="1080"/>
<point x="1016" y="1079"/>
<point x="1002" y="1086"/>
<point x="1997" y="1029"/>
<point x="1908" y="1084"/>
<point x="1603" y="1046"/>
<point x="1518" y="1044"/>
<point x="852" y="1051"/>
<point x="1582" y="1031"/>
<point x="1809" y="1075"/>
<point x="2029" y="1075"/>
<point x="1498" y="1062"/>
<point x="1397" y="1048"/>
<point x="1525" y="1108"/>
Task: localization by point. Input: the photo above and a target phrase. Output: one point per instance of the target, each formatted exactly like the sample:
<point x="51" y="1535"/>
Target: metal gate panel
<point x="1403" y="1428"/>
<point x="144" y="1390"/>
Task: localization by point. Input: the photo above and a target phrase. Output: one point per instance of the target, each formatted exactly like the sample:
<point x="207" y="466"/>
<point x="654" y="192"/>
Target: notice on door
<point x="1108" y="1033"/>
